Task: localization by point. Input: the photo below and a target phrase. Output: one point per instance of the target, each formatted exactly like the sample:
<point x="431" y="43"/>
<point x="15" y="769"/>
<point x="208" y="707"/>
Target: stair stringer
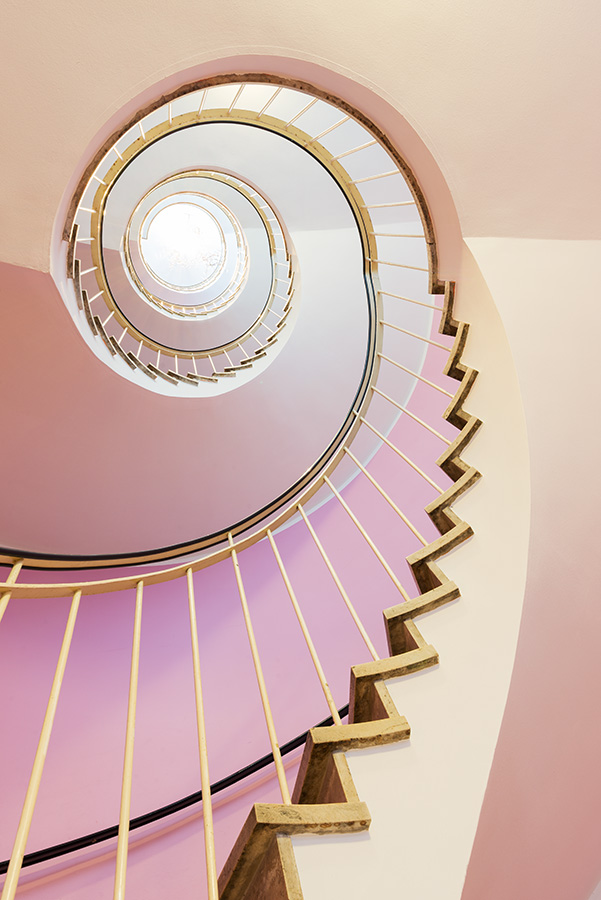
<point x="261" y="863"/>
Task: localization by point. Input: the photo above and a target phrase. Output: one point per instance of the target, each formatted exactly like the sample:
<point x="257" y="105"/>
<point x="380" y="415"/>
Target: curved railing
<point x="107" y="321"/>
<point x="324" y="798"/>
<point x="366" y="167"/>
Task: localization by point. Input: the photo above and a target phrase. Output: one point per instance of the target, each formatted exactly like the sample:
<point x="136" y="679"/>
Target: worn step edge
<point x="323" y="742"/>
<point x="266" y="820"/>
<point x="363" y="703"/>
<point x="277" y="875"/>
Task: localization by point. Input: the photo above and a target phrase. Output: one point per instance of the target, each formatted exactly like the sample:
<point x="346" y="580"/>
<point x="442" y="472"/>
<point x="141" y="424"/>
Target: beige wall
<point x="425" y="796"/>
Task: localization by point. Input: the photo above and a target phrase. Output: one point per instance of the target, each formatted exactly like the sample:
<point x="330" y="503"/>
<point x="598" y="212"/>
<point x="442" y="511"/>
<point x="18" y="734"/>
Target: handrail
<point x="162" y="812"/>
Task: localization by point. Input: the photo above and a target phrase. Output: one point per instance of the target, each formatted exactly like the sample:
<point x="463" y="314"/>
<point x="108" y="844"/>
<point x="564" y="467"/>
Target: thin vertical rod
<point x="408" y="299"/>
<point x="415" y="375"/>
<point x="354" y="150"/>
<point x="365" y="535"/>
<point x="12" y="577"/>
<point x="328" y="130"/>
<point x="375" y="177"/>
<point x="310" y="645"/>
<point x="128" y="759"/>
<point x="16" y="859"/>
<point x="303" y="111"/>
<point x="338" y="584"/>
<point x="269" y="102"/>
<point x="400" y="453"/>
<point x="388" y="499"/>
<point x="411" y="414"/>
<point x="413" y="334"/>
<point x="207" y="806"/>
<point x="275" y="747"/>
<point x="236" y="98"/>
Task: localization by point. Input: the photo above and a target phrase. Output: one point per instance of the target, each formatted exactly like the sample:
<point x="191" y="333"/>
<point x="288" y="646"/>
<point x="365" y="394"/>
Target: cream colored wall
<point x="425" y="796"/>
<point x="540" y="828"/>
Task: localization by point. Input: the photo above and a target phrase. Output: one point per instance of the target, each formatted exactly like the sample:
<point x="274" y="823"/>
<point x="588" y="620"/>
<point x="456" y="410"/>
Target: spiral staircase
<point x="319" y="353"/>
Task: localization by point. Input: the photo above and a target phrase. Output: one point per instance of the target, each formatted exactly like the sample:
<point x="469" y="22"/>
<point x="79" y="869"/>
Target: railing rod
<point x="388" y="205"/>
<point x="418" y="336"/>
<point x="394" y="234"/>
<point x="375" y="177"/>
<point x="128" y="759"/>
<point x="275" y="747"/>
<point x="303" y="625"/>
<point x="328" y="130"/>
<point x="205" y="781"/>
<point x="400" y="453"/>
<point x="388" y="499"/>
<point x="411" y="414"/>
<point x="202" y="101"/>
<point x="409" y="300"/>
<point x="365" y="535"/>
<point x="232" y="104"/>
<point x="338" y="583"/>
<point x="354" y="150"/>
<point x="415" y="375"/>
<point x="107" y="834"/>
<point x="302" y="112"/>
<point x="16" y="859"/>
<point x="383" y="262"/>
<point x="269" y="102"/>
<point x="11" y="578"/>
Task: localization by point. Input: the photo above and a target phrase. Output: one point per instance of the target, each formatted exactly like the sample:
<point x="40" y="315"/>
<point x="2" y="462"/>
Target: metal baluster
<point x="16" y="859"/>
<point x="275" y="747"/>
<point x="207" y="805"/>
<point x="365" y="535"/>
<point x="128" y="759"/>
<point x="338" y="584"/>
<point x="310" y="645"/>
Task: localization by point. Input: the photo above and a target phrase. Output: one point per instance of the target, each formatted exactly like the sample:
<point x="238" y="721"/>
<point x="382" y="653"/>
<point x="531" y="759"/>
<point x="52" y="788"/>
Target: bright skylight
<point x="182" y="246"/>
